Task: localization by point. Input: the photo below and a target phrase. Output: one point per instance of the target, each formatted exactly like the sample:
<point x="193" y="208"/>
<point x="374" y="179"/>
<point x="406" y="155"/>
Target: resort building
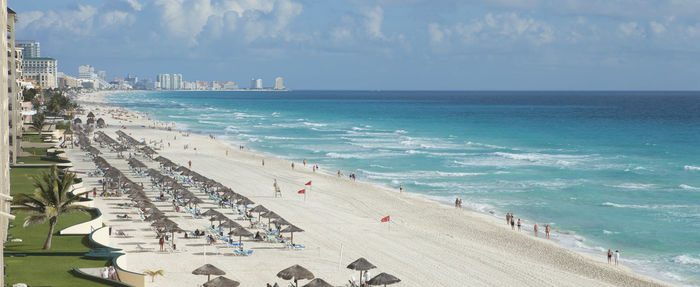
<point x="279" y="83"/>
<point x="67" y="82"/>
<point x="85" y="72"/>
<point x="5" y="198"/>
<point x="43" y="70"/>
<point x="31" y="48"/>
<point x="256" y="83"/>
<point x="14" y="77"/>
<point x="163" y="81"/>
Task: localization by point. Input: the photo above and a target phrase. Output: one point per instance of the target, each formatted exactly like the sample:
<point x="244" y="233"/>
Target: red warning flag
<point x="385" y="219"/>
<point x="301" y="191"/>
<point x="308" y="183"/>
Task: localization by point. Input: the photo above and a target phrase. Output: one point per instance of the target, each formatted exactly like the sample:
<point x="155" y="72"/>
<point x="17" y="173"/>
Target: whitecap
<point x="688" y="187"/>
<point x="686" y="260"/>
<point x="631" y="185"/>
<point x="690" y="167"/>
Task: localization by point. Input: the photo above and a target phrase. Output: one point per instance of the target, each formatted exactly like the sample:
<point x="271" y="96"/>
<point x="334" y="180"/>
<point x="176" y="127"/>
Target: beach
<point x="425" y="243"/>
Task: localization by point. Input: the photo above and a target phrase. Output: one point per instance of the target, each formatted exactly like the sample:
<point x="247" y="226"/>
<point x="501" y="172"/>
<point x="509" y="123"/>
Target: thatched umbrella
<point x="155" y="216"/>
<point x="77" y="121"/>
<point x="100" y="123"/>
<point x="291" y="229"/>
<point x="318" y="282"/>
<point x="383" y="279"/>
<point x="90" y="115"/>
<point x="221" y="281"/>
<point x="240" y="232"/>
<point x="270" y="215"/>
<point x="211" y="212"/>
<point x="230" y="224"/>
<point x="90" y="121"/>
<point x="164" y="223"/>
<point x="361" y="265"/>
<point x="259" y="209"/>
<point x="208" y="269"/>
<point x="295" y="272"/>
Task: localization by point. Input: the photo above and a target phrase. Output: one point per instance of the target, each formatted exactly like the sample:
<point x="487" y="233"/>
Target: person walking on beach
<point x="190" y="163"/>
<point x="263" y="162"/>
<point x="610" y="256"/>
<point x="519" y="226"/>
<point x="535" y="229"/>
<point x="400" y="188"/>
<point x="456" y="202"/>
<point x="304" y="162"/>
<point x="546" y="231"/>
<point x="460" y="203"/>
<point x="161" y="241"/>
<point x="507" y="218"/>
<point x="617" y="257"/>
<point x="512" y="222"/>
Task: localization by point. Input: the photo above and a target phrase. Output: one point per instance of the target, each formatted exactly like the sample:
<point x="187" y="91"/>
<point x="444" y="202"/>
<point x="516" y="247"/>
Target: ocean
<point x="618" y="170"/>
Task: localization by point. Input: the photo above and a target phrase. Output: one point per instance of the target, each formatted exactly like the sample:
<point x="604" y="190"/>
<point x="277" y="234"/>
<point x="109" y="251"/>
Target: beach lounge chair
<point x="119" y="233"/>
<point x="140" y="248"/>
<point x="244" y="252"/>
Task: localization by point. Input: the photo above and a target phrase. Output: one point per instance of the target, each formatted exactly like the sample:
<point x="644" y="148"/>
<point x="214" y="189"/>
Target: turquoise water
<point x="607" y="169"/>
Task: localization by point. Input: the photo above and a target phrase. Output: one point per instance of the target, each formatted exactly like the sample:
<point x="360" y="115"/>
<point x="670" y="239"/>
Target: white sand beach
<point x="425" y="244"/>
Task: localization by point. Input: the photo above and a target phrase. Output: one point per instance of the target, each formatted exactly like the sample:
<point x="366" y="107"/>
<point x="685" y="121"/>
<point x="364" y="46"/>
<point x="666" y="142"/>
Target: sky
<point x="381" y="44"/>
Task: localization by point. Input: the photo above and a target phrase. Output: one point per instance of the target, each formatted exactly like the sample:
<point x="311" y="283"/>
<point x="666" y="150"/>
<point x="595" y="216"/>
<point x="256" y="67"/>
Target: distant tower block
<point x="279" y="83"/>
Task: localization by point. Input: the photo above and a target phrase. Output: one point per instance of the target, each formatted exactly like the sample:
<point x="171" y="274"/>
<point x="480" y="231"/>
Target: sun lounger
<point x="244" y="252"/>
<point x="140" y="248"/>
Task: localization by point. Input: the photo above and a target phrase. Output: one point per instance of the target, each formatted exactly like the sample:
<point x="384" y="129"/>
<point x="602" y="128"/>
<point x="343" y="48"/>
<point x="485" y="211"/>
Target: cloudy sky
<point x="382" y="44"/>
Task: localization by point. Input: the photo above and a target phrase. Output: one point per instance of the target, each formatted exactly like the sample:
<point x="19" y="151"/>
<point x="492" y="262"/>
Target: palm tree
<point x="49" y="201"/>
<point x="153" y="274"/>
<point x="38" y="122"/>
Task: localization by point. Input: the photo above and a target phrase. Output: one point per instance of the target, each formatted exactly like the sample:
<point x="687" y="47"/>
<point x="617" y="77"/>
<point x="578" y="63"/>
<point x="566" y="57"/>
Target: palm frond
<point x="34" y="219"/>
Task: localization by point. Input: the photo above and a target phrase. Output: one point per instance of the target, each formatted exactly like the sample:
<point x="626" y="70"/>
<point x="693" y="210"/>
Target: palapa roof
<point x="361" y="264"/>
<point x="240" y="232"/>
<point x="259" y="208"/>
<point x="383" y="279"/>
<point x="295" y="272"/>
<point x="318" y="282"/>
<point x="291" y="228"/>
<point x="208" y="269"/>
<point x="221" y="281"/>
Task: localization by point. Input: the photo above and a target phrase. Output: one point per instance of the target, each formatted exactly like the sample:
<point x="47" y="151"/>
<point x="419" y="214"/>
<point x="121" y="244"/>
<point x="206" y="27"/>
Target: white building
<point x="279" y="83"/>
<point x="256" y="83"/>
<point x="176" y="82"/>
<point x="102" y="75"/>
<point x="85" y="72"/>
<point x="31" y="48"/>
<point x="164" y="81"/>
<point x="43" y="70"/>
<point x="4" y="137"/>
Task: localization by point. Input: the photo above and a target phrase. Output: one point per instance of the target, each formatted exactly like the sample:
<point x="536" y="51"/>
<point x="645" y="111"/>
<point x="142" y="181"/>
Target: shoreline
<point x="491" y="219"/>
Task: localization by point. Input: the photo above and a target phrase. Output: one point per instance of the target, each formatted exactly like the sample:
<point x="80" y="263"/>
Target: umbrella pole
<point x="292" y="239"/>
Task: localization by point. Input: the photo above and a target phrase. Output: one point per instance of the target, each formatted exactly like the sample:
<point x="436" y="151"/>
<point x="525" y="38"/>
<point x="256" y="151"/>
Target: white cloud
<point x="494" y="28"/>
<point x="186" y="19"/>
<point x="78" y="21"/>
<point x="437" y="34"/>
<point x="135" y="4"/>
<point x="115" y="18"/>
<point x="373" y="25"/>
<point x="632" y="29"/>
<point x="657" y="27"/>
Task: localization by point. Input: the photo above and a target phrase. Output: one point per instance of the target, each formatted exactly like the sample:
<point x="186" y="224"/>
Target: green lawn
<point x="40" y="160"/>
<point x="48" y="270"/>
<point x="34" y="236"/>
<point x="32" y="138"/>
<point x="21" y="179"/>
<point x="35" y="150"/>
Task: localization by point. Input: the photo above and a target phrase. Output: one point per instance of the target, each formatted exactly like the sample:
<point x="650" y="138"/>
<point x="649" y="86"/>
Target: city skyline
<point x="451" y="45"/>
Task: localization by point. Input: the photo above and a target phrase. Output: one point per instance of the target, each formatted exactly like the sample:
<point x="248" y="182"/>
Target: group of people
<point x="458" y="203"/>
<point x="616" y="255"/>
<point x="276" y="285"/>
<point x="109" y="273"/>
<point x="510" y="220"/>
